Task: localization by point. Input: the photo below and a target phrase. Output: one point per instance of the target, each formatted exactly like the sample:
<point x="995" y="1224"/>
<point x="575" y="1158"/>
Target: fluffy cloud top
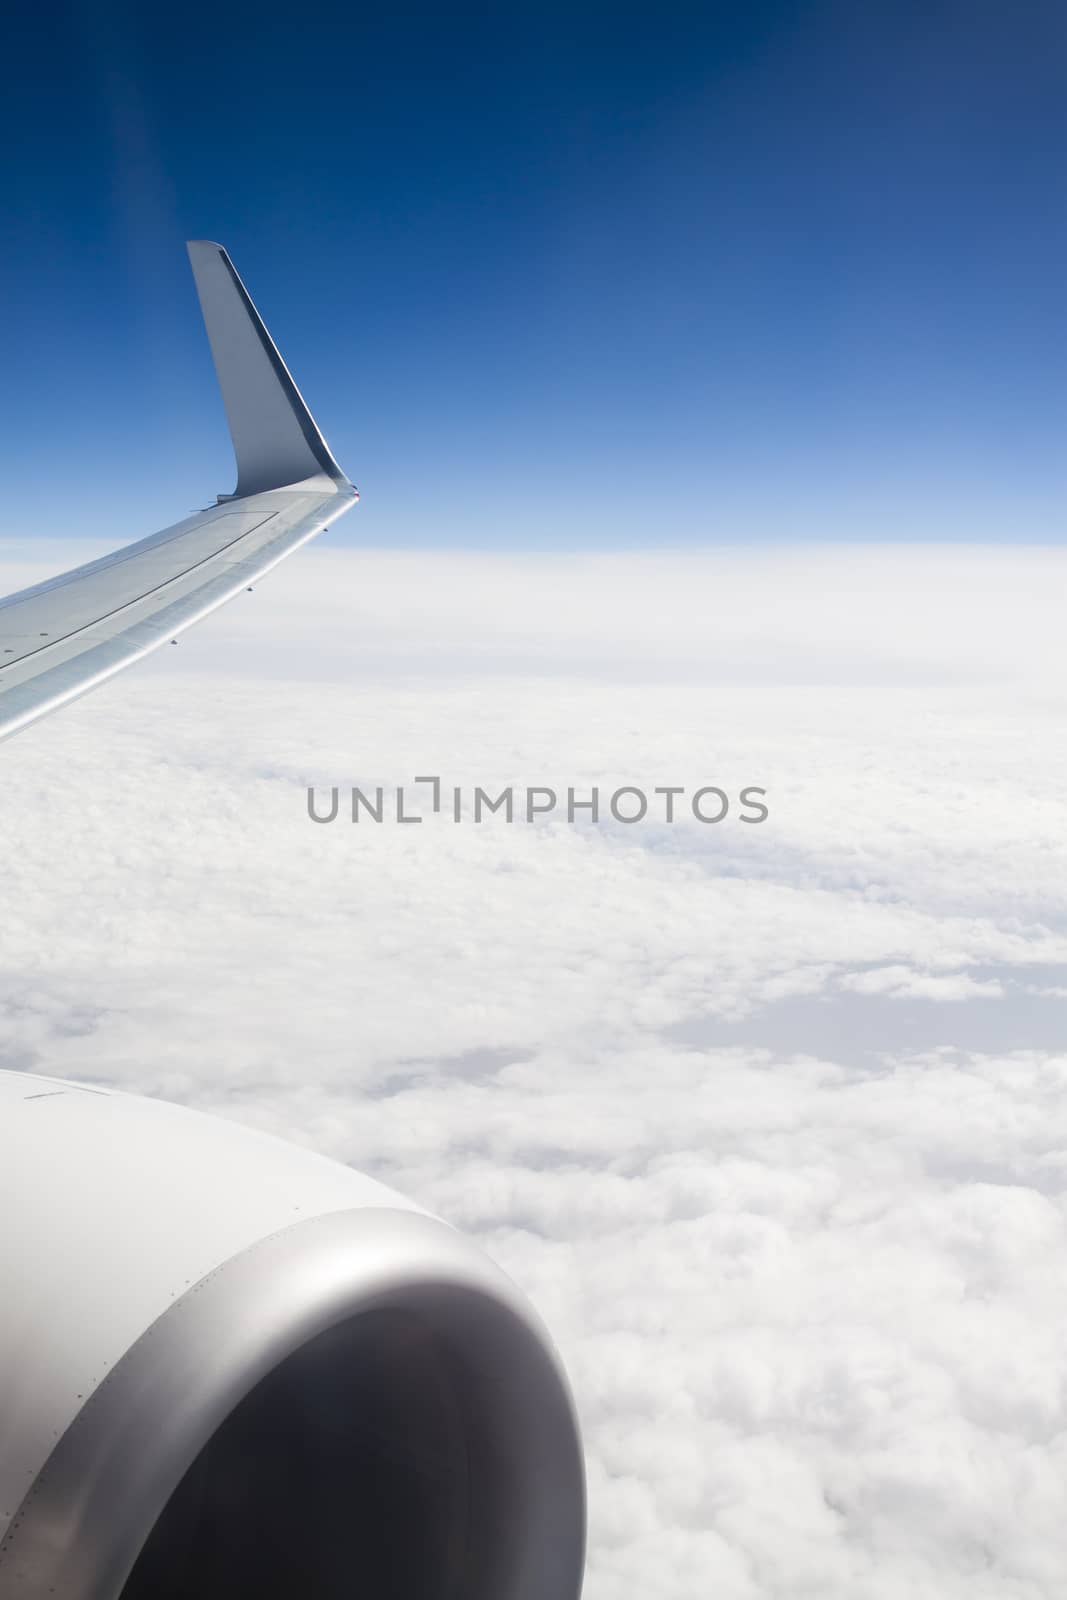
<point x="771" y="1121"/>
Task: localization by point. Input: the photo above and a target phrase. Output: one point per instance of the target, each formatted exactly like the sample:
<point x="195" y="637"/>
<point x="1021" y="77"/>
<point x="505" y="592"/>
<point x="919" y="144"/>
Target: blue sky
<point x="563" y="276"/>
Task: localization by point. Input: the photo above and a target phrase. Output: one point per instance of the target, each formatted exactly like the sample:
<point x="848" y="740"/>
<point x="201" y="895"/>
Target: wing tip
<point x="276" y="440"/>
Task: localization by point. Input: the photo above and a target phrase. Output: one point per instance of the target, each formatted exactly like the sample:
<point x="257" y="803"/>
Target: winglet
<point x="275" y="438"/>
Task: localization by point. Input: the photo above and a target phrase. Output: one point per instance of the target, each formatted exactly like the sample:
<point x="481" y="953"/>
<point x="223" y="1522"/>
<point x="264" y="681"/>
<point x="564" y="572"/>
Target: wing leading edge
<point x="71" y="633"/>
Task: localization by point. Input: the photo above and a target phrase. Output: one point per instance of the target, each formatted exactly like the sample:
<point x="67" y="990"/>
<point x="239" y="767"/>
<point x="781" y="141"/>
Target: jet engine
<point x="232" y="1368"/>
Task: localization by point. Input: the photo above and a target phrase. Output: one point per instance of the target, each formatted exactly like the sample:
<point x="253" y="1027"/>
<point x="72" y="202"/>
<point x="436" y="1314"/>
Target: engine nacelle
<point x="232" y="1368"/>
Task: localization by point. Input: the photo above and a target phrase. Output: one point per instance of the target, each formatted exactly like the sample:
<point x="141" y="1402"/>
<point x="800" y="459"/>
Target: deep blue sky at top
<point x="561" y="275"/>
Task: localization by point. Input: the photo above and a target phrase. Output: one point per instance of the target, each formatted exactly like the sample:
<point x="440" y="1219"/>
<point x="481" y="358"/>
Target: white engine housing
<point x="230" y="1367"/>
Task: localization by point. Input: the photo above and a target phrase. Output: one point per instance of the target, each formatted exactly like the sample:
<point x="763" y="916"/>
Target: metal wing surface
<point x="73" y="632"/>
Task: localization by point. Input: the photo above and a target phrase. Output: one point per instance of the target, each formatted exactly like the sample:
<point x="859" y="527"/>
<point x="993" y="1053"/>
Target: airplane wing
<point x="73" y="632"/>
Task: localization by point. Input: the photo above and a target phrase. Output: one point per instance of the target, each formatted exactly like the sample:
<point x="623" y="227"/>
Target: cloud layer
<point x="771" y="1121"/>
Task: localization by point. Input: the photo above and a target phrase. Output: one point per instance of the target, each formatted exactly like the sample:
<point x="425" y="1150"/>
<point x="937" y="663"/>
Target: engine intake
<point x="356" y="1402"/>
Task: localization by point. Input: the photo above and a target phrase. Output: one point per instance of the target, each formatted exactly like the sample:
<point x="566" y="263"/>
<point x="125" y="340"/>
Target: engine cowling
<point x="230" y="1367"/>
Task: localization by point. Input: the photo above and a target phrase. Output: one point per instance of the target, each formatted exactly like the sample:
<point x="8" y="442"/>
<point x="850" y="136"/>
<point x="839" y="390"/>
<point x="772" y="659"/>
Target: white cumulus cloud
<point x="771" y="1121"/>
